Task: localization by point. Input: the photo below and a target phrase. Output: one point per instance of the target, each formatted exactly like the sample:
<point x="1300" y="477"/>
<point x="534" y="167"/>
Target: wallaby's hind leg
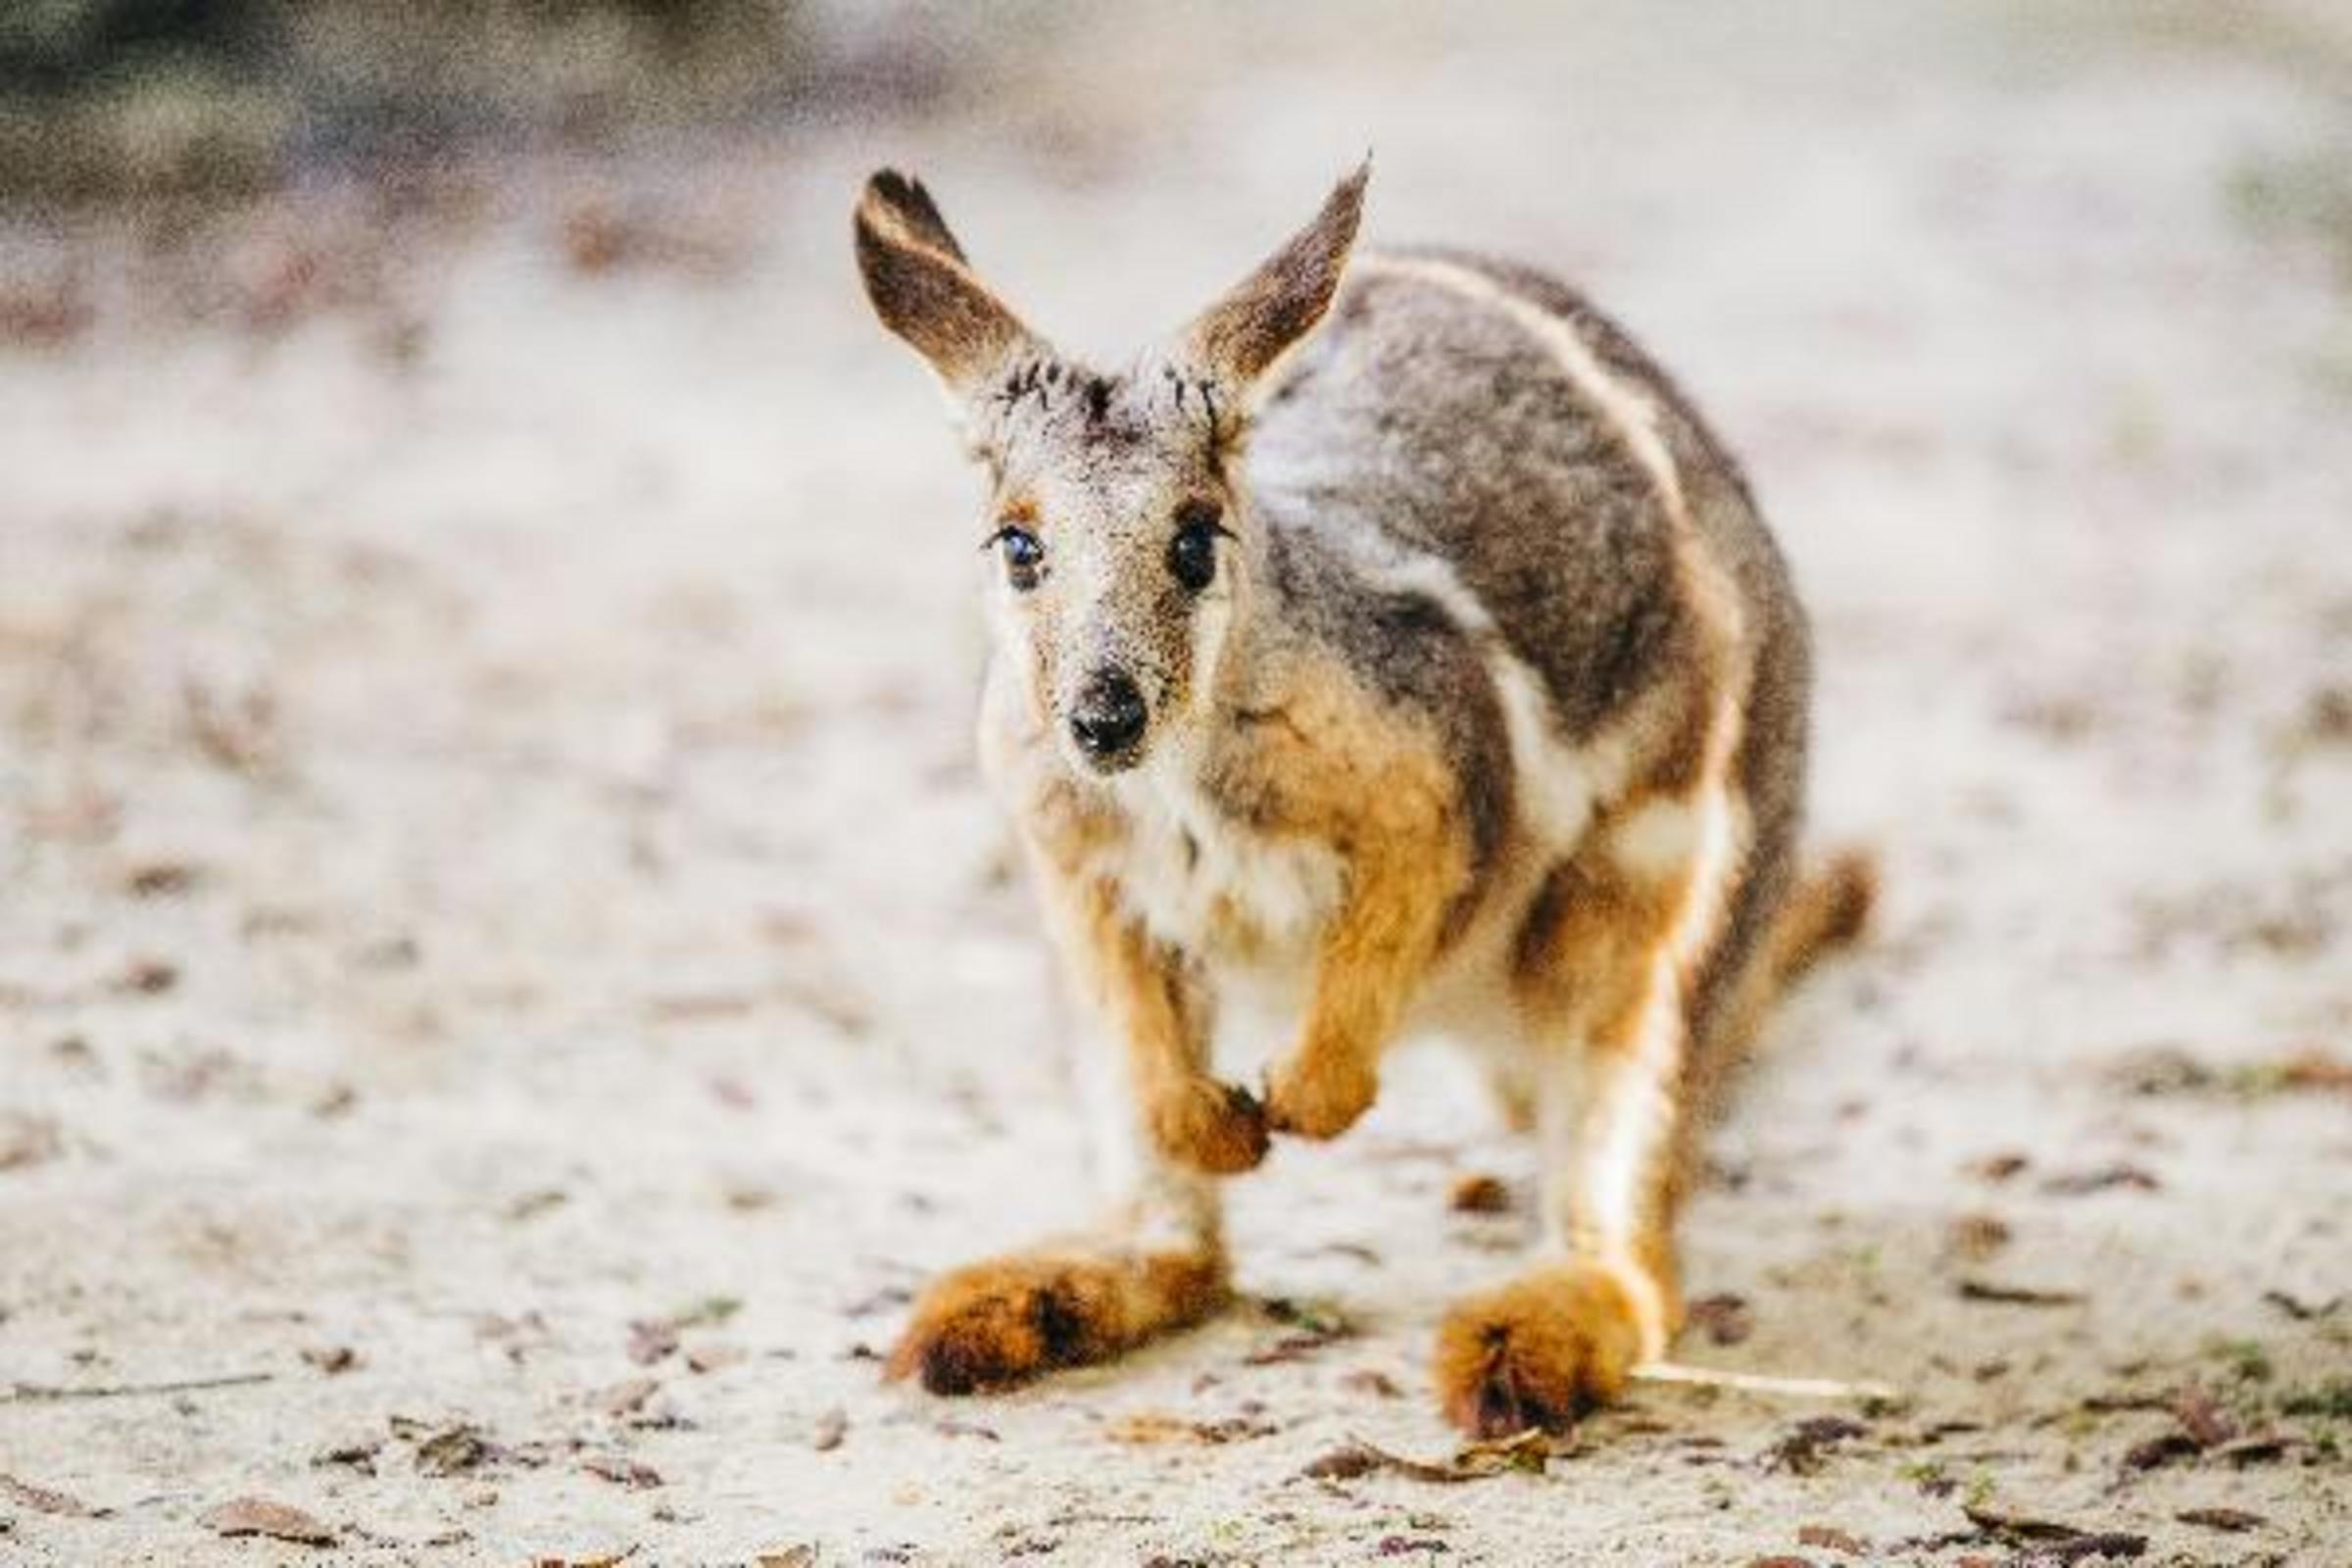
<point x="1611" y="963"/>
<point x="1156" y="1263"/>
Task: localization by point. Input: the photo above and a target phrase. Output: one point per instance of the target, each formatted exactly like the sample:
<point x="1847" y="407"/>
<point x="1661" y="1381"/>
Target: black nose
<point x="1108" y="716"/>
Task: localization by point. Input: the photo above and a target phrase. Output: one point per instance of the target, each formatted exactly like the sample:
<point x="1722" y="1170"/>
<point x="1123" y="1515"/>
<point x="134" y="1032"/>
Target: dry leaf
<point x="2233" y="1520"/>
<point x="42" y="1499"/>
<point x="258" y="1516"/>
<point x="621" y="1471"/>
<point x="652" y="1339"/>
<point x="1831" y="1539"/>
<point x="2016" y="1294"/>
<point x="626" y="1398"/>
<point x="1480" y="1194"/>
<point x="28" y="1140"/>
<point x="1725" y="1318"/>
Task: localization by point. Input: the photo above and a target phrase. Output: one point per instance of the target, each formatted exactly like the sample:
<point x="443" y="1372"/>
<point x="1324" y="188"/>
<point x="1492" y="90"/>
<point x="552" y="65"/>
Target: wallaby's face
<point x="1113" y="530"/>
<point x="1111" y="533"/>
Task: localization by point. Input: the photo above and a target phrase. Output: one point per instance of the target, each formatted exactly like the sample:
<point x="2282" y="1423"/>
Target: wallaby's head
<point x="1117" y="526"/>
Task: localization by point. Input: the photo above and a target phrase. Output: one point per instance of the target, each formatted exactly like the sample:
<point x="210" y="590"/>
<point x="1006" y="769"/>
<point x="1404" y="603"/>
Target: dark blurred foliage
<point x="127" y="97"/>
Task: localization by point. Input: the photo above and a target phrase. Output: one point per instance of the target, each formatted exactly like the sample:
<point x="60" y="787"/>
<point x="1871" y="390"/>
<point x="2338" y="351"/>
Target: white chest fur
<point x="1203" y="882"/>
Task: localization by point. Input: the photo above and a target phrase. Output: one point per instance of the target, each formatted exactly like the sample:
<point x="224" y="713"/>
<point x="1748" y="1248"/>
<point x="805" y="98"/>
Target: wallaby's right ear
<point x="1261" y="316"/>
<point x="924" y="291"/>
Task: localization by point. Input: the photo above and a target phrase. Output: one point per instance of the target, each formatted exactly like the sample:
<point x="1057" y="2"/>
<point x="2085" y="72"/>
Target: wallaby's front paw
<point x="1537" y="1353"/>
<point x="1213" y="1127"/>
<point x="1320" y="1096"/>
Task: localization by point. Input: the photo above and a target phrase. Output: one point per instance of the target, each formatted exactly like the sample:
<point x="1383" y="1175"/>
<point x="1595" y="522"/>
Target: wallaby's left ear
<point x="923" y="288"/>
<point x="1235" y="339"/>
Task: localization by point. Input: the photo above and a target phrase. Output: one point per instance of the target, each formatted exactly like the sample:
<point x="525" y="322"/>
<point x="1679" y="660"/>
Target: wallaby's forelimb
<point x="1142" y="992"/>
<point x="1376" y="950"/>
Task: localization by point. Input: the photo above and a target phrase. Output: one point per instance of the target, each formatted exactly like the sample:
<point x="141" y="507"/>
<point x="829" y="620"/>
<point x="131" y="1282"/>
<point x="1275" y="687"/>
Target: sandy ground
<point x="503" y="950"/>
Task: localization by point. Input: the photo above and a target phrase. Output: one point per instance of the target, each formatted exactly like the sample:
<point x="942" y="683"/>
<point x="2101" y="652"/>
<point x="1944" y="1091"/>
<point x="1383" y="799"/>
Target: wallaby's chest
<point x="1199" y="879"/>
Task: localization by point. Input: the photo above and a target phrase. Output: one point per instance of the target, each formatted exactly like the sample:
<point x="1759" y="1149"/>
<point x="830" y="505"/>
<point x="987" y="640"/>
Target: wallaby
<point x="1393" y="646"/>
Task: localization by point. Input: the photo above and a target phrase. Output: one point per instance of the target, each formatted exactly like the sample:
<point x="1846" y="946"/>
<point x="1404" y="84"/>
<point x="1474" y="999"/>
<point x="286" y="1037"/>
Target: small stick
<point x="35" y="1393"/>
<point x="1762" y="1382"/>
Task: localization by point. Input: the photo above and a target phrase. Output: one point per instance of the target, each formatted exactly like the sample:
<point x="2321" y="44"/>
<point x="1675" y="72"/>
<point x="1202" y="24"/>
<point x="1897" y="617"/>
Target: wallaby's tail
<point x="1827" y="911"/>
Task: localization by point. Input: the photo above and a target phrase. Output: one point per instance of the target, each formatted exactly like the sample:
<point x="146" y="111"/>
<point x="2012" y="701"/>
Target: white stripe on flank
<point x="1625" y="406"/>
<point x="1625" y="1125"/>
<point x="1556" y="787"/>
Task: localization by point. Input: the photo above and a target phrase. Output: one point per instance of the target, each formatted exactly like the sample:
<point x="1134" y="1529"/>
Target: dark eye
<point x="1024" y="556"/>
<point x="1193" y="553"/>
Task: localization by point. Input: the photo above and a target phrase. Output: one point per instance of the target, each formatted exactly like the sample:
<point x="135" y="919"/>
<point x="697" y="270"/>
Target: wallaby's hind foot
<point x="1004" y="1321"/>
<point x="1539" y="1352"/>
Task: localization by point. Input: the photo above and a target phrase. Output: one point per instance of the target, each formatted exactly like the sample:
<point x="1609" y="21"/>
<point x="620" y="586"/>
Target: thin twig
<point x="1762" y="1382"/>
<point x="37" y="1392"/>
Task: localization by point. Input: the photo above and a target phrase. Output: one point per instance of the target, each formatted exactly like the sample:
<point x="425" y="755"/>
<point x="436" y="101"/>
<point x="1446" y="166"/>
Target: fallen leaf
<point x="1355" y="1459"/>
<point x="43" y="1499"/>
<point x="2201" y="1416"/>
<point x="1525" y="1451"/>
<point x="1799" y="1451"/>
<point x="358" y="1454"/>
<point x="2315" y="1069"/>
<point x="712" y="1355"/>
<point x="442" y="1450"/>
<point x="258" y="1516"/>
<point x="626" y="1398"/>
<point x="162" y="879"/>
<point x="2078" y="1183"/>
<point x="2233" y="1520"/>
<point x="1725" y="1318"/>
<point x="332" y="1358"/>
<point x="2264" y="1449"/>
<point x="621" y="1471"/>
<point x="1998" y="1167"/>
<point x="2157" y="1452"/>
<point x="1480" y="1194"/>
<point x="1831" y="1539"/>
<point x="652" y="1339"/>
<point x="1146" y="1427"/>
<point x="1976" y="1290"/>
<point x="26" y="1140"/>
<point x="2049" y="1540"/>
<point x="1976" y="1237"/>
<point x="147" y="977"/>
<point x="789" y="1557"/>
<point x="1318" y="1325"/>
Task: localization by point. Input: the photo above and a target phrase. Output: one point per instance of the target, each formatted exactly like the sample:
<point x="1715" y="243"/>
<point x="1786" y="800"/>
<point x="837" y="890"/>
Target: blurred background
<point x="504" y="954"/>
